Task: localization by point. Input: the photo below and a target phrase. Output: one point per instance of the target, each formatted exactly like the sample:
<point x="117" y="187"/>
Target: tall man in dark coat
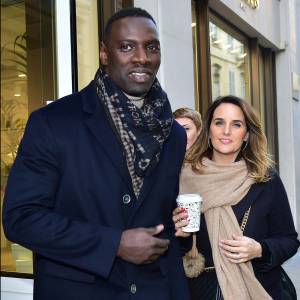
<point x="94" y="184"/>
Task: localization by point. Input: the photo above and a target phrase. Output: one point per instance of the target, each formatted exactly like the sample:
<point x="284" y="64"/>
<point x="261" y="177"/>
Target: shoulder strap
<point x="245" y="219"/>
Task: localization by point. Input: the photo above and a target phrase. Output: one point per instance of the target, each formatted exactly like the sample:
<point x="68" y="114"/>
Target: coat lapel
<point x="240" y="208"/>
<point x="149" y="181"/>
<point x="103" y="132"/>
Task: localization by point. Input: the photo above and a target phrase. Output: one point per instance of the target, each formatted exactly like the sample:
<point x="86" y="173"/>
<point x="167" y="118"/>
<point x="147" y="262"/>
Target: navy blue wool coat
<point x="69" y="197"/>
<point x="270" y="222"/>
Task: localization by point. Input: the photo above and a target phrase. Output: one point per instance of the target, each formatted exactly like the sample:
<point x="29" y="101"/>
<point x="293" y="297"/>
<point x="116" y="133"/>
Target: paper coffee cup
<point x="192" y="204"/>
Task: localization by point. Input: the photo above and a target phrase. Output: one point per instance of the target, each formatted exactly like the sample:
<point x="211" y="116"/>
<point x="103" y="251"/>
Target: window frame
<point x="258" y="95"/>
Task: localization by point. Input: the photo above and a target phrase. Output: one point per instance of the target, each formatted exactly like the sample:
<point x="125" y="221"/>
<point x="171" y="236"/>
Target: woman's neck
<point x="224" y="159"/>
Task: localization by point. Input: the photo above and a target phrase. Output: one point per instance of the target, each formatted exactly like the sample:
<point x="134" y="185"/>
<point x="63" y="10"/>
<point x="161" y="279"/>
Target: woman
<point x="230" y="168"/>
<point x="191" y="121"/>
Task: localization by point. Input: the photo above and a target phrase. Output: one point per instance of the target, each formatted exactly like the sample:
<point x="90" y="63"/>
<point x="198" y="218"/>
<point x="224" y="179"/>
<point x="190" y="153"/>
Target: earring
<point x="209" y="144"/>
<point x="245" y="146"/>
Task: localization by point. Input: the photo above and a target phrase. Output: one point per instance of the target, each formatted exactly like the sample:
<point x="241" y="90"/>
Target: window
<point x="91" y="16"/>
<point x="231" y="83"/>
<point x="27" y="83"/>
<point x="87" y="40"/>
<point x="228" y="62"/>
<point x="228" y="50"/>
<point x="216" y="81"/>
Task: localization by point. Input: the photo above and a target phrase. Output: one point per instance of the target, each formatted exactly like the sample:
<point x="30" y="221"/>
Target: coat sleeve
<point x="29" y="217"/>
<point x="282" y="242"/>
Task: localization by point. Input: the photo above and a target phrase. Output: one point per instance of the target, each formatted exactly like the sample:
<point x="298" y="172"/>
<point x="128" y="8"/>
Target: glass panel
<point x="27" y="81"/>
<point x="87" y="40"/>
<point x="195" y="56"/>
<point x="229" y="57"/>
<point x="91" y="16"/>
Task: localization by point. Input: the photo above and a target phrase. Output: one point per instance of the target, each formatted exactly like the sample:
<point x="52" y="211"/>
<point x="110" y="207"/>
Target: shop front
<point x="51" y="48"/>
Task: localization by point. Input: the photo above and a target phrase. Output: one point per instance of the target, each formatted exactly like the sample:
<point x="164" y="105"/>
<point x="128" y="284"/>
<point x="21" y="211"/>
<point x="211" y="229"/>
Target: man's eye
<point x="186" y="128"/>
<point x="126" y="47"/>
<point x="153" y="48"/>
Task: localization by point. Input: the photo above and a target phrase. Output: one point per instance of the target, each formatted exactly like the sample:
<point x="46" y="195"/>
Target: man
<point x="93" y="186"/>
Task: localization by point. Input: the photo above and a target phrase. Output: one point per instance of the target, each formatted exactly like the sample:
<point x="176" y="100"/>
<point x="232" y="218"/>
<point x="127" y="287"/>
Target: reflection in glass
<point x="87" y="40"/>
<point x="229" y="64"/>
<point x="195" y="56"/>
<point x="14" y="114"/>
<point x="26" y="81"/>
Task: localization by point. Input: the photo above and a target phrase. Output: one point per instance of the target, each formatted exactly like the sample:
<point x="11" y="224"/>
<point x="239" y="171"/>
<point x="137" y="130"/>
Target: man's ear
<point x="103" y="54"/>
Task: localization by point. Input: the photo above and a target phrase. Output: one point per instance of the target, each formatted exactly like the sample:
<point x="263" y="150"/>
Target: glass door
<point x="27" y="83"/>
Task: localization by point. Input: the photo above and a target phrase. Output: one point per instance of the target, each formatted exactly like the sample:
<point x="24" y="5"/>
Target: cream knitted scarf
<point x="220" y="187"/>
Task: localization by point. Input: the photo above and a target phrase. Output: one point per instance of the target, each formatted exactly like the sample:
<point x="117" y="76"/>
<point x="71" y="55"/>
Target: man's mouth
<point x="139" y="77"/>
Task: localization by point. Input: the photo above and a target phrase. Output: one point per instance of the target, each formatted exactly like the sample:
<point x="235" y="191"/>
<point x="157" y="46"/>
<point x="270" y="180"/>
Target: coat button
<point x="126" y="199"/>
<point x="133" y="289"/>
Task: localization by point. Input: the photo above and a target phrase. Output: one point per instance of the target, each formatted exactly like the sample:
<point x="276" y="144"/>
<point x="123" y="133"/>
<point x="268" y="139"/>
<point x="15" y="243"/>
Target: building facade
<point x="248" y="48"/>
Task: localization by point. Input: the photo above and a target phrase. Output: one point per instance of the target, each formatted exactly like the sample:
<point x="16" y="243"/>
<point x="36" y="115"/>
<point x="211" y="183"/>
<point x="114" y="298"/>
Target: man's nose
<point x="141" y="56"/>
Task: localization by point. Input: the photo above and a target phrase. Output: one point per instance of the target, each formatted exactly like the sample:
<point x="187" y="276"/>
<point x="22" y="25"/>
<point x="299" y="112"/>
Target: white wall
<point x="288" y="109"/>
<point x="16" y="288"/>
<point x="296" y="109"/>
<point x="63" y="48"/>
<point x="176" y="73"/>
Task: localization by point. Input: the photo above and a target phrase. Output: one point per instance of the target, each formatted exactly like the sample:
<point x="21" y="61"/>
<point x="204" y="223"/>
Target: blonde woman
<point x="191" y="121"/>
<point x="247" y="230"/>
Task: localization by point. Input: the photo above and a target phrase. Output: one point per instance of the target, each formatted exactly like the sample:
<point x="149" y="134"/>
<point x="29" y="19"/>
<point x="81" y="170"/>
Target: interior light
<point x="193" y="24"/>
<point x="17" y="95"/>
<point x="22" y="75"/>
<point x="217" y="41"/>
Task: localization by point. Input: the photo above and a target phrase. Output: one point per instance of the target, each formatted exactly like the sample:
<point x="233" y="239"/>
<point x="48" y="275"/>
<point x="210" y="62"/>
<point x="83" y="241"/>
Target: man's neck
<point x="138" y="101"/>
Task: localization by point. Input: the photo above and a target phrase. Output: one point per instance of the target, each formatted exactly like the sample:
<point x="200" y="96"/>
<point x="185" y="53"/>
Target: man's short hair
<point x="123" y="13"/>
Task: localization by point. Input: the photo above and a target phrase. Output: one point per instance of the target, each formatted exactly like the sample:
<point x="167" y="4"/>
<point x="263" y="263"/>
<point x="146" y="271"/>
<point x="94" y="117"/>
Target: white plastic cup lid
<point x="188" y="198"/>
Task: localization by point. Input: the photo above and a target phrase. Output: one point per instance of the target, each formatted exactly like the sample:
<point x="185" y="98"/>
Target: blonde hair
<point x="254" y="151"/>
<point x="194" y="116"/>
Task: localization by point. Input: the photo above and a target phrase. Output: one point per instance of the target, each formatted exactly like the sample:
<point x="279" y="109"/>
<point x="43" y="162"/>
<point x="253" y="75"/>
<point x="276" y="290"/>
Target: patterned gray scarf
<point x="144" y="130"/>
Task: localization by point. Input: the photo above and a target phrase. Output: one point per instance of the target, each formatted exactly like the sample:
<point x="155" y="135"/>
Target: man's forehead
<point x="134" y="26"/>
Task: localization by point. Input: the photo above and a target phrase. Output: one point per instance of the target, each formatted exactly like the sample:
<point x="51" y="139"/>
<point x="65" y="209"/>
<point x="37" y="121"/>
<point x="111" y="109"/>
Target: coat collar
<point x="240" y="208"/>
<point x="89" y="98"/>
<point x="103" y="132"/>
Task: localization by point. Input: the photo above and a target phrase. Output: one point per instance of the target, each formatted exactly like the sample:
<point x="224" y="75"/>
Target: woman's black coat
<point x="270" y="222"/>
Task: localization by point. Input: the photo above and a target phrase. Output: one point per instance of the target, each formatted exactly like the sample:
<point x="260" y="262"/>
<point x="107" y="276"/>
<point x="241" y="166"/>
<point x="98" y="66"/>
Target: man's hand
<point x="139" y="246"/>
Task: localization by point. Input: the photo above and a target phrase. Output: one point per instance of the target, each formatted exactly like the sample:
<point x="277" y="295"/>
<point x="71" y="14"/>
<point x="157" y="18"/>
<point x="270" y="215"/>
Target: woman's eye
<point x="237" y="125"/>
<point x="218" y="123"/>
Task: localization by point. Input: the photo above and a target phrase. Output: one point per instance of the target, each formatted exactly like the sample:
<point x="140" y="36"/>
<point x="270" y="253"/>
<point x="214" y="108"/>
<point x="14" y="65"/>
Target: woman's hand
<point x="240" y="249"/>
<point x="180" y="220"/>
